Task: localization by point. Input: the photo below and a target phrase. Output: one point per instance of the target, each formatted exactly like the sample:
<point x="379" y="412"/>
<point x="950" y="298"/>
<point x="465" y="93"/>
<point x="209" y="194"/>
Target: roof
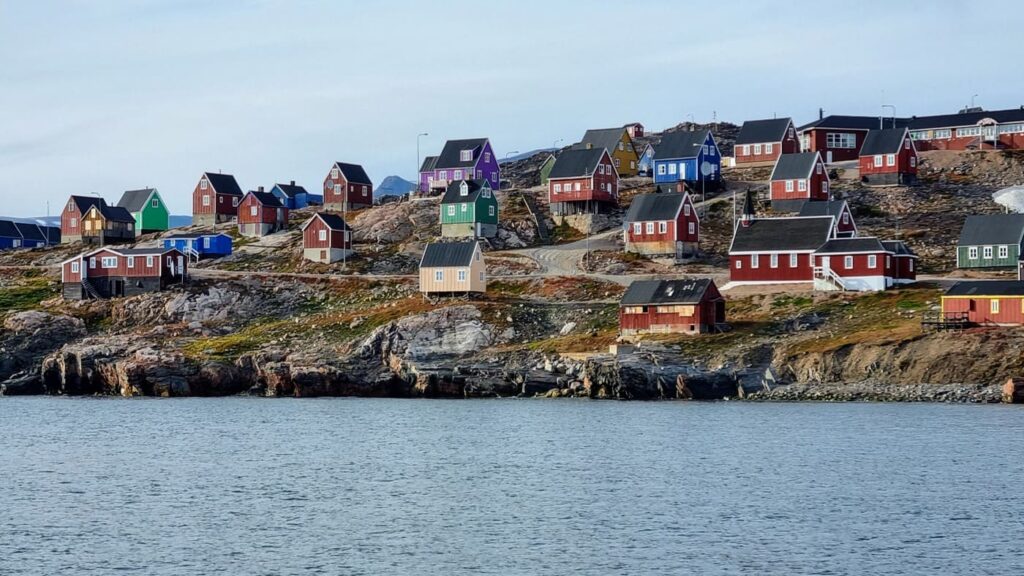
<point x="141" y="251"/>
<point x="116" y="214"/>
<point x="135" y="200"/>
<point x="898" y="247"/>
<point x="782" y="234"/>
<point x="267" y="199"/>
<point x="52" y="233"/>
<point x="450" y="156"/>
<point x="823" y="208"/>
<point x="843" y="122"/>
<point x="682" y="144"/>
<point x="992" y="229"/>
<point x="453" y="194"/>
<point x="30" y="231"/>
<point x="190" y="235"/>
<point x="290" y="190"/>
<point x="354" y="173"/>
<point x="966" y="118"/>
<point x="791" y="166"/>
<point x="83" y="203"/>
<point x="603" y="138"/>
<point x="662" y="206"/>
<point x="851" y="245"/>
<point x="332" y="221"/>
<point x="987" y="288"/>
<point x="757" y="131"/>
<point x="224" y="184"/>
<point x="886" y="141"/>
<point x="576" y="162"/>
<point x="447" y="254"/>
<point x="8" y="229"/>
<point x="685" y="291"/>
<point x="428" y="164"/>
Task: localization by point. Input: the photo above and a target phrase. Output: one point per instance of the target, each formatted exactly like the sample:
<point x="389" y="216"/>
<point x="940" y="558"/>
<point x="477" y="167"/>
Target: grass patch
<point x="26" y="294"/>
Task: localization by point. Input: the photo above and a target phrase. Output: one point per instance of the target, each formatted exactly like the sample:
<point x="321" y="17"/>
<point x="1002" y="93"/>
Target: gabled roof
<point x="52" y="233"/>
<point x="450" y="156"/>
<point x="683" y="144"/>
<point x="782" y="234"/>
<point x="224" y="184"/>
<point x="83" y="203"/>
<point x="290" y="190"/>
<point x="851" y="246"/>
<point x="354" y="173"/>
<point x="447" y="254"/>
<point x="8" y="229"/>
<point x="453" y="195"/>
<point x="30" y="231"/>
<point x="115" y="213"/>
<point x="823" y="208"/>
<point x="664" y="206"/>
<point x="842" y="122"/>
<point x="992" y="229"/>
<point x="758" y="131"/>
<point x="152" y="251"/>
<point x="428" y="164"/>
<point x="192" y="235"/>
<point x="792" y="166"/>
<point x="966" y="118"/>
<point x="135" y="200"/>
<point x="576" y="162"/>
<point x="266" y="198"/>
<point x="987" y="288"/>
<point x="685" y="291"/>
<point x="886" y="141"/>
<point x="899" y="248"/>
<point x="602" y="138"/>
<point x="332" y="221"/>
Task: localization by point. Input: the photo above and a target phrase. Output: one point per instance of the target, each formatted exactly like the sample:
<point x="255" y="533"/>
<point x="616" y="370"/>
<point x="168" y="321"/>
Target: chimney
<point x="821" y="113"/>
<point x="259" y="189"/>
<point x="748" y="209"/>
<point x="292" y="183"/>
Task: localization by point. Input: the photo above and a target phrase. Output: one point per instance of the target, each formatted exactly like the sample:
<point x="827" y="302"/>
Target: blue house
<point x="31" y="235"/>
<point x="211" y="245"/>
<point x="294" y="197"/>
<point x="9" y="235"/>
<point x="680" y="155"/>
<point x="645" y="165"/>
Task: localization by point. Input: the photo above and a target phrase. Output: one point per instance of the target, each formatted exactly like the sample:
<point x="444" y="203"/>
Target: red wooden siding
<point x="859" y="268"/>
<point x="788" y="145"/>
<point x="740" y="269"/>
<point x="703" y="313"/>
<point x="845" y="223"/>
<point x="139" y="269"/>
<point x="594" y="187"/>
<point x="311" y="237"/>
<point x="906" y="161"/>
<point x="219" y="203"/>
<point x="979" y="309"/>
<point x="1013" y="141"/>
<point x="817" y="141"/>
<point x="356" y="193"/>
<point x="817" y="186"/>
<point x="680" y="224"/>
<point x="264" y="214"/>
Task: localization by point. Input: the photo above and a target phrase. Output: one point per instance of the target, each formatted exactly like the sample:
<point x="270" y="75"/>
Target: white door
<point x="825" y="263"/>
<point x="682" y="171"/>
<point x="181" y="265"/>
<point x="828" y="157"/>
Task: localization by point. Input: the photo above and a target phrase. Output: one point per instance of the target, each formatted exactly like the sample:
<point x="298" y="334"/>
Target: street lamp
<point x="419" y="184"/>
<point x="973" y="96"/>
<point x="555" y="143"/>
<point x="507" y="154"/>
<point x="893" y="108"/>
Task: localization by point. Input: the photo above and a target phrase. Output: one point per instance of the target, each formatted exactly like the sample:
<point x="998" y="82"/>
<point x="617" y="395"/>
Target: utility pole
<point x="884" y="106"/>
<point x="418" y="183"/>
<point x="507" y="155"/>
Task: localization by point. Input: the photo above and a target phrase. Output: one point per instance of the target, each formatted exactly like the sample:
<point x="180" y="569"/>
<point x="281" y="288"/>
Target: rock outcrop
<point x="26" y="338"/>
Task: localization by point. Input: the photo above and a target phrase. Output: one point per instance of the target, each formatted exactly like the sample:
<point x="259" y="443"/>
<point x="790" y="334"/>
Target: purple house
<point x="460" y="160"/>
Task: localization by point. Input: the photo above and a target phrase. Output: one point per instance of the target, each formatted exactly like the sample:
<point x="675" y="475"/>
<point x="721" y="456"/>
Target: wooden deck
<point x="945" y="321"/>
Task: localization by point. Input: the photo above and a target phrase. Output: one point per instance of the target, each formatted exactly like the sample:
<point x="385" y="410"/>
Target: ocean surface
<point x="533" y="487"/>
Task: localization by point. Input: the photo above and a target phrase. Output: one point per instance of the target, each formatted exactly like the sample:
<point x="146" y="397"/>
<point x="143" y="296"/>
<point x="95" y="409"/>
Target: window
<point x="754" y="261"/>
<point x="794" y="261"/>
<point x="846" y="217"/>
<point x="972" y="252"/>
<point x="442" y="175"/>
<point x="577" y="186"/>
<point x="789" y="185"/>
<point x="801" y="185"/>
<point x="558" y="187"/>
<point x="739" y="264"/>
<point x="817" y="168"/>
<point x="888" y="261"/>
<point x="203" y="184"/>
<point x="481" y="276"/>
<point x="438" y="275"/>
<point x="366" y="190"/>
<point x="457" y="175"/>
<point x="131" y="261"/>
<point x="74" y="267"/>
<point x="494" y="177"/>
<point x="987" y="252"/>
<point x="848" y="262"/>
<point x="621" y="146"/>
<point x="206" y="242"/>
<point x="322" y="235"/>
<point x="462" y="275"/>
<point x="910" y="264"/>
<point x="972" y="131"/>
<point x="650" y="227"/>
<point x="465" y="155"/>
<point x="906" y="143"/>
<point x="745" y="149"/>
<point x="773" y="261"/>
<point x="465" y="207"/>
<point x="616" y="162"/>
<point x="944" y="133"/>
<point x="490" y="210"/>
<point x="704" y="148"/>
<point x="74" y="222"/>
<point x="686" y="209"/>
<point x="890" y="160"/>
<point x="1004" y="251"/>
<point x="155" y="203"/>
<point x="464" y="189"/>
<point x="662" y="227"/>
<point x="92" y="262"/>
<point x="487" y="156"/>
<point x="600" y="169"/>
<point x="840" y="140"/>
<point x="71" y="206"/>
<point x="768" y="148"/>
<point x="994" y="306"/>
<point x="661" y="169"/>
<point x="913" y="161"/>
<point x="757" y="149"/>
<point x="878" y="161"/>
<point x="337" y="189"/>
<point x="671" y="168"/>
<point x="711" y="150"/>
<point x="451" y="210"/>
<point x="253" y="210"/>
<point x="149" y="261"/>
<point x="206" y="199"/>
<point x="692" y="228"/>
<point x="637" y="228"/>
<point x="872" y="261"/>
<point x="109" y="262"/>
<point x="234" y="202"/>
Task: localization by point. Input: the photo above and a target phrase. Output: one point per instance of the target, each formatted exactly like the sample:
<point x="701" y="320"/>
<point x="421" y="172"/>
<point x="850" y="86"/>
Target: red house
<point x="970" y="129"/>
<point x="635" y="130"/>
<point x="326" y="238"/>
<point x="796" y="179"/>
<point x="261" y="213"/>
<point x="583" y="180"/>
<point x="777" y="250"/>
<point x="999" y="302"/>
<point x="690" y="306"/>
<point x="845" y="226"/>
<point x="839" y="138"/>
<point x="347" y="187"/>
<point x="113" y="272"/>
<point x="888" y="158"/>
<point x="215" y="199"/>
<point x="904" y="262"/>
<point x="663" y="223"/>
<point x="853" y="264"/>
<point x="761" y="142"/>
<point x="71" y="216"/>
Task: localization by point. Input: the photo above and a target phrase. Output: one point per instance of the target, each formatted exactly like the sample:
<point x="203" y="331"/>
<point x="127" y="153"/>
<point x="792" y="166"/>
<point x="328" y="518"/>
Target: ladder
<point x="90" y="289"/>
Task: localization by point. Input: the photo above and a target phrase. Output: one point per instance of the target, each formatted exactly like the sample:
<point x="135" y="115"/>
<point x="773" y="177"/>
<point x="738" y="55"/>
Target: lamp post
<point x="973" y="96"/>
<point x="419" y="184"/>
<point x="505" y="162"/>
<point x="555" y="143"/>
<point x="893" y="108"/>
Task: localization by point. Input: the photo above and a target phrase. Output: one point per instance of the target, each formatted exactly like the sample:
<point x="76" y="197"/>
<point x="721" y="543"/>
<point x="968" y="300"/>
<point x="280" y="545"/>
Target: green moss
<point x="26" y="294"/>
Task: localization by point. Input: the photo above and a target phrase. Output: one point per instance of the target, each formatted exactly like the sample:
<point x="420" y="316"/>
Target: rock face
<point x="397" y="222"/>
<point x="647" y="377"/>
<point x="27" y="337"/>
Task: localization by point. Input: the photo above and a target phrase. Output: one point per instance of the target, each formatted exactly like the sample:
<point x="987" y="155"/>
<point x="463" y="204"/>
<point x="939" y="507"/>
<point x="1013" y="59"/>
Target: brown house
<point x="326" y="238"/>
<point x="453" y="268"/>
<point x="103" y="224"/>
<point x="689" y="306"/>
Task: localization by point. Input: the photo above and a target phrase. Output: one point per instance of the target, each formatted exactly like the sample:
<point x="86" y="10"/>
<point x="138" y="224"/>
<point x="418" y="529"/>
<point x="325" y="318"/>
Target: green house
<point x="469" y="209"/>
<point x="545" y="169"/>
<point x="148" y="209"/>
<point x="990" y="241"/>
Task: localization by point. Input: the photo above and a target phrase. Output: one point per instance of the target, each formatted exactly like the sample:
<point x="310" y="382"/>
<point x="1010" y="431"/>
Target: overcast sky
<point x="100" y="96"/>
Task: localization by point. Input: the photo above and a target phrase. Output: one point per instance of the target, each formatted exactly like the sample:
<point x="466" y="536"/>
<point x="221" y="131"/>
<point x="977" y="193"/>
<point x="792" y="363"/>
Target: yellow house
<point x="453" y="268"/>
<point x="619" y="145"/>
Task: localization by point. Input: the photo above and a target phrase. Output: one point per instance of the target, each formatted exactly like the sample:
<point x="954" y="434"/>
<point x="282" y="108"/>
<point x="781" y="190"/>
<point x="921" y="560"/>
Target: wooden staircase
<point x="90" y="289"/>
<point x="538" y="217"/>
<point x="829" y="276"/>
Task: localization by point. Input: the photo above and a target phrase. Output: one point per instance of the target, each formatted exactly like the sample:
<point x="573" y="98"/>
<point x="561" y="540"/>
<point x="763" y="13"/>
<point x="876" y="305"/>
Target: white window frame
<point x="686" y="209"/>
<point x="757" y="149"/>
<point x="451" y="209"/>
<point x="464" y="207"/>
<point x="322" y="235"/>
<point x="637" y="228"/>
<point x="878" y="160"/>
<point x="253" y="210"/>
<point x="801" y="185"/>
<point x="745" y="149"/>
<point x="789" y="185"/>
<point x="131" y="261"/>
<point x="557" y="187"/>
<point x="490" y="210"/>
<point x="769" y="148"/>
<point x="74" y="267"/>
<point x="773" y="261"/>
<point x="872" y="261"/>
<point x="438" y="275"/>
<point x="993" y="306"/>
<point x="754" y="261"/>
<point x="890" y="159"/>
<point x="650" y="228"/>
<point x="206" y="199"/>
<point x="986" y="252"/>
<point x="149" y="261"/>
<point x="108" y="262"/>
<point x="661" y="169"/>
<point x="848" y="262"/>
<point x="692" y="228"/>
<point x="794" y="260"/>
<point x="662" y="227"/>
<point x="972" y="253"/>
<point x="204" y="184"/>
<point x="1004" y="251"/>
<point x="461" y="275"/>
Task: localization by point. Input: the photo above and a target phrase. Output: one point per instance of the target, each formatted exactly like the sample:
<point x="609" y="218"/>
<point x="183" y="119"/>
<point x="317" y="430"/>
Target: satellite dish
<point x="707" y="168"/>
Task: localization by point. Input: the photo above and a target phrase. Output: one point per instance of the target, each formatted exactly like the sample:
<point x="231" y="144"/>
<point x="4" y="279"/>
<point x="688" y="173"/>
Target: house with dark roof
<point x="261" y="213"/>
<point x="663" y="224"/>
<point x="294" y="196"/>
<point x="545" y="169"/>
<point x="838" y="137"/>
<point x="796" y="179"/>
<point x="115" y="272"/>
<point x="469" y="209"/>
<point x="904" y="262"/>
<point x="347" y="187"/>
<point x="619" y="145"/>
<point x="148" y="208"/>
<point x="215" y="199"/>
<point x="582" y="180"/>
<point x="468" y="159"/>
<point x="969" y="129"/>
<point x="104" y="224"/>
<point x="199" y="245"/>
<point x="854" y="264"/>
<point x="777" y="250"/>
<point x="635" y="130"/>
<point x="645" y="165"/>
<point x="990" y="241"/>
<point x="845" y="226"/>
<point x="888" y="158"/>
<point x="326" y="238"/>
<point x="761" y="142"/>
<point x="998" y="302"/>
<point x="685" y="306"/>
<point x="71" y="217"/>
<point x="453" y="268"/>
<point x="32" y="235"/>
<point x="686" y="156"/>
<point x="10" y="237"/>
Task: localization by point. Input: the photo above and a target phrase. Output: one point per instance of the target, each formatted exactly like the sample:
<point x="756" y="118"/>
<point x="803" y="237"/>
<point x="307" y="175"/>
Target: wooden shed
<point x="453" y="268"/>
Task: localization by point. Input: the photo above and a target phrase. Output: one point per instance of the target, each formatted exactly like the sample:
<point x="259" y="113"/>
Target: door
<point x="825" y="265"/>
<point x="828" y="157"/>
<point x="682" y="170"/>
<point x="181" y="265"/>
<point x="323" y="255"/>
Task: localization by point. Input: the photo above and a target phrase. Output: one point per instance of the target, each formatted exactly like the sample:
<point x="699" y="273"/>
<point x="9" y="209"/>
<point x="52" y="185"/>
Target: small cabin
<point x="260" y="214"/>
<point x="147" y="208"/>
<point x="72" y="214"/>
<point x="662" y="224"/>
<point x="986" y="302"/>
<point x="294" y="196"/>
<point x="215" y="199"/>
<point x="103" y="224"/>
<point x="200" y="245"/>
<point x="453" y="268"/>
<point x="689" y="306"/>
<point x="469" y="209"/>
<point x="347" y="187"/>
<point x="761" y="142"/>
<point x="990" y="241"/>
<point x="326" y="238"/>
<point x="110" y="272"/>
<point x="796" y="179"/>
<point x="888" y="157"/>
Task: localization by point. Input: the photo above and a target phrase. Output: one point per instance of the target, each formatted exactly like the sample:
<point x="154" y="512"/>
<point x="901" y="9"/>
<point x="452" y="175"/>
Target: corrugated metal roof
<point x="758" y="131"/>
<point x="662" y="206"/>
<point x="987" y="288"/>
<point x="447" y="254"/>
<point x="782" y="234"/>
<point x="990" y="229"/>
<point x="684" y="291"/>
<point x="792" y="166"/>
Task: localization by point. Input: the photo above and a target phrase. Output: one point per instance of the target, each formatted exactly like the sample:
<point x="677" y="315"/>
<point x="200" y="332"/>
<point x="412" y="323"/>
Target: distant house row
<point x="15" y="234"/>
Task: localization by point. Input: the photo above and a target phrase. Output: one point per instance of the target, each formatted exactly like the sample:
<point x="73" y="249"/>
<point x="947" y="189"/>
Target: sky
<point x="102" y="96"/>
